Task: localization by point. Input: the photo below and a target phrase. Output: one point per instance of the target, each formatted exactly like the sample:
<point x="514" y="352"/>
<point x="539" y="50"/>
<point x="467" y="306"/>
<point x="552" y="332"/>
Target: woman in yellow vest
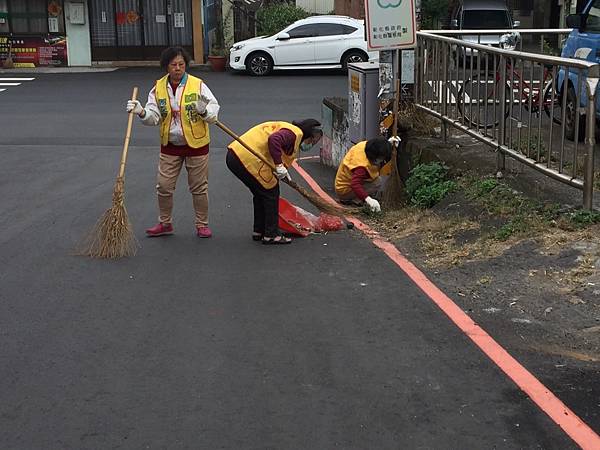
<point x="183" y="106"/>
<point x="279" y="143"/>
<point x="358" y="177"/>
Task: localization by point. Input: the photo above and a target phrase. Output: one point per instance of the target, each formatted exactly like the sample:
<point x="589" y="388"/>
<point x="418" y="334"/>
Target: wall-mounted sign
<point x="179" y="20"/>
<point x="390" y="24"/>
<point x="53" y="24"/>
<point x="34" y="51"/>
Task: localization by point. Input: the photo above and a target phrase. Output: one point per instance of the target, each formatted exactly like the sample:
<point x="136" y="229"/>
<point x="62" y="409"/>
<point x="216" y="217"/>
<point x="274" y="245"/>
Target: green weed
<point x="427" y="184"/>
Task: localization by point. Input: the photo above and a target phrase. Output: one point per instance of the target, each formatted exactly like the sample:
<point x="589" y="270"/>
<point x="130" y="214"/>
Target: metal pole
<point x="500" y="159"/>
<point x="399" y="76"/>
<point x="590" y="142"/>
<point x="445" y="96"/>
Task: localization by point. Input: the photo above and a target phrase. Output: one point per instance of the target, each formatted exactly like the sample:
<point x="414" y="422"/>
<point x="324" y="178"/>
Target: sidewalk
<point x="97" y="67"/>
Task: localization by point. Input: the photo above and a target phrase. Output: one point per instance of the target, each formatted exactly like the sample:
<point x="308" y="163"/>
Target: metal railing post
<point x="445" y="95"/>
<point x="500" y="158"/>
<point x="590" y="139"/>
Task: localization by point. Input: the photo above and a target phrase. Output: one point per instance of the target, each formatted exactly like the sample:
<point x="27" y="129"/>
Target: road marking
<point x="571" y="424"/>
<point x="13" y="81"/>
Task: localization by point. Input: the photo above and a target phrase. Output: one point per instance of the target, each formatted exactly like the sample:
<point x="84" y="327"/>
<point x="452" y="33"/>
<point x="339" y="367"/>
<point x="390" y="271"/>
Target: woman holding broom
<point x="183" y="106"/>
<point x="358" y="179"/>
<point x="279" y="143"/>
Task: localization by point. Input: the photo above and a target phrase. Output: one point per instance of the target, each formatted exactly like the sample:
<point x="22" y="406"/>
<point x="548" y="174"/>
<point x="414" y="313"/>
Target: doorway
<point x="132" y="30"/>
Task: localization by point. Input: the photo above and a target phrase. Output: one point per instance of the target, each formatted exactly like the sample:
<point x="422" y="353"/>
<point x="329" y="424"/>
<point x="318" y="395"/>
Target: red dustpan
<point x="298" y="222"/>
<point x="294" y="220"/>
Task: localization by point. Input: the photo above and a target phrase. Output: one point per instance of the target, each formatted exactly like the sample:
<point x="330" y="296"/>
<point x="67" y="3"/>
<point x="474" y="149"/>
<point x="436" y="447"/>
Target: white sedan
<point x="318" y="42"/>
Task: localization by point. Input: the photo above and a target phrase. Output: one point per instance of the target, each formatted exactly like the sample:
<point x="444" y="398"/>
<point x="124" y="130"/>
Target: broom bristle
<point x="317" y="201"/>
<point x="112" y="236"/>
<point x="393" y="194"/>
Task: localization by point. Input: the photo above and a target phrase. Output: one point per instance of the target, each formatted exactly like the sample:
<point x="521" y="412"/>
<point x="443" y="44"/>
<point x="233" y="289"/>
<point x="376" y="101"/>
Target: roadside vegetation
<point x="458" y="219"/>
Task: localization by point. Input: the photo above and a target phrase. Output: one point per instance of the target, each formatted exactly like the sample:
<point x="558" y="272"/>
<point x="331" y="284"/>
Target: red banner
<point x="34" y="51"/>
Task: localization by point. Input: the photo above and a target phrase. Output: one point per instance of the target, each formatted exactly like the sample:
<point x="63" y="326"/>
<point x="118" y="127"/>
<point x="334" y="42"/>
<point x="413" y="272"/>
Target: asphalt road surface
<point x="220" y="343"/>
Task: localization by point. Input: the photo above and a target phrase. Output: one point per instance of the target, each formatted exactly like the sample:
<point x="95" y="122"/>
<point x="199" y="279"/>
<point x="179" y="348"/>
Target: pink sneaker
<point x="161" y="229"/>
<point x="203" y="232"/>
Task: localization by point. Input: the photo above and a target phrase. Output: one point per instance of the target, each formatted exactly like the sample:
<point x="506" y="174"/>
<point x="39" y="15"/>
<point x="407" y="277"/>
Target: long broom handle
<point x="246" y="146"/>
<point x="396" y="108"/>
<point x="127" y="136"/>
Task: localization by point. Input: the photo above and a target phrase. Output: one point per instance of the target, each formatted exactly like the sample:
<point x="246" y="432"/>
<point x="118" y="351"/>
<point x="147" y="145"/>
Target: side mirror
<point x="517" y="24"/>
<point x="454" y="23"/>
<point x="575" y="21"/>
<point x="283" y="36"/>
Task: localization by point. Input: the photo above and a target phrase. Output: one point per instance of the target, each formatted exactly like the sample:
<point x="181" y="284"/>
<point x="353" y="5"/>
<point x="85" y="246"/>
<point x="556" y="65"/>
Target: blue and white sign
<point x="390" y="24"/>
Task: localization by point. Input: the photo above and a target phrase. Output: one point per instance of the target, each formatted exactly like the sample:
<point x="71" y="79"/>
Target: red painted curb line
<point x="571" y="424"/>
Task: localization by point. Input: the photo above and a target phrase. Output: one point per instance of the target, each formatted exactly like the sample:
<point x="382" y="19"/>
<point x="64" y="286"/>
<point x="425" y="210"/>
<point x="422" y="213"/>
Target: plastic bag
<point x="296" y="221"/>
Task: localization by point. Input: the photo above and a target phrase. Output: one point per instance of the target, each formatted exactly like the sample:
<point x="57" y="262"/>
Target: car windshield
<point x="485" y="19"/>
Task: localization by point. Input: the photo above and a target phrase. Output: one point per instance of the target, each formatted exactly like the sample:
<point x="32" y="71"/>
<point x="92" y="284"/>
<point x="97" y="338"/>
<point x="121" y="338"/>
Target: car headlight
<point x="237" y="47"/>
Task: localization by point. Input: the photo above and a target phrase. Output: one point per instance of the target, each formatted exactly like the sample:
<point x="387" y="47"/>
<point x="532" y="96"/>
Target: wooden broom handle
<point x="396" y="108"/>
<point x="127" y="136"/>
<point x="246" y="146"/>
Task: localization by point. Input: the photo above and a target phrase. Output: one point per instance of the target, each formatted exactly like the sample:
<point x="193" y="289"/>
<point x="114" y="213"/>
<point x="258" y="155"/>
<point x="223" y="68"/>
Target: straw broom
<point x="394" y="188"/>
<point x="112" y="236"/>
<point x="8" y="62"/>
<point x="317" y="201"/>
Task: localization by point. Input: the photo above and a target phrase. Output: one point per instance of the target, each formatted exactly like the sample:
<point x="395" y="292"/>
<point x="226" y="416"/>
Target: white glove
<point x="373" y="204"/>
<point x="134" y="106"/>
<point x="201" y="105"/>
<point x="209" y="119"/>
<point x="395" y="141"/>
<point x="281" y="172"/>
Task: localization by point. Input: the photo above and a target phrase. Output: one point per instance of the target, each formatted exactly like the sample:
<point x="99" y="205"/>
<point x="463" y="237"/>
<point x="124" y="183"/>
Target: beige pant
<point x="169" y="168"/>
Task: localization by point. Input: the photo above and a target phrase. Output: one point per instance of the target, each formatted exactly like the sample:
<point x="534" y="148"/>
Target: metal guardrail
<point x="524" y="105"/>
<point x="531" y="35"/>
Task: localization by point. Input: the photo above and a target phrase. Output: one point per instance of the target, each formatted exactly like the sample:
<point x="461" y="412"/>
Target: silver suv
<point x="483" y="15"/>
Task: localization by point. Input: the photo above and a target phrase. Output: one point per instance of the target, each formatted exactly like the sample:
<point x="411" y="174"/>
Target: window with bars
<point x="35" y="16"/>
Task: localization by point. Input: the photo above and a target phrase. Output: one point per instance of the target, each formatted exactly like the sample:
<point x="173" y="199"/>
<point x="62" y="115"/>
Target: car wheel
<point x="259" y="64"/>
<point x="570" y="117"/>
<point x="353" y="56"/>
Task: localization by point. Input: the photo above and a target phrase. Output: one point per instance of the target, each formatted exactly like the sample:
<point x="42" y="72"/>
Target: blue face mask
<point x="306" y="146"/>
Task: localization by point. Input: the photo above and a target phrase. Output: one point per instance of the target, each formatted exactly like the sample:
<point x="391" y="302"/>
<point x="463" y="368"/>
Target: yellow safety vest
<point x="257" y="138"/>
<point x="356" y="157"/>
<point x="195" y="130"/>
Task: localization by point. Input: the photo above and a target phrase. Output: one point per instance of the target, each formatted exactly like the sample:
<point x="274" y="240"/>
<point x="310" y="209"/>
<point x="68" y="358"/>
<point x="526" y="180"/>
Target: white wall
<point x="79" y="48"/>
<point x="316" y="6"/>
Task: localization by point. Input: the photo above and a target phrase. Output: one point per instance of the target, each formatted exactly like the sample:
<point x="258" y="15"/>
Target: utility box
<point x="363" y="105"/>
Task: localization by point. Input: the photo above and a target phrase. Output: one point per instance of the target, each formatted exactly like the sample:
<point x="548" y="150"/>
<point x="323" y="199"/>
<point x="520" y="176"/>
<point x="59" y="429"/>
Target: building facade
<point x="316" y="6"/>
<point x="79" y="32"/>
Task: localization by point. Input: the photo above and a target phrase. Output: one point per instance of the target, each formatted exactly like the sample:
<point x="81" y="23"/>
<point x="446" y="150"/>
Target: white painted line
<point x="16" y="79"/>
<point x="2" y="90"/>
<point x="10" y="84"/>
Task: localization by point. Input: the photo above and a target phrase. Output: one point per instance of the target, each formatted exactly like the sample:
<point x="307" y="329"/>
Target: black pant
<point x="266" y="201"/>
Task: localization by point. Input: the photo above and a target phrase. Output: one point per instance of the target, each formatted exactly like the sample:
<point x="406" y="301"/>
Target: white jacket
<point x="153" y="117"/>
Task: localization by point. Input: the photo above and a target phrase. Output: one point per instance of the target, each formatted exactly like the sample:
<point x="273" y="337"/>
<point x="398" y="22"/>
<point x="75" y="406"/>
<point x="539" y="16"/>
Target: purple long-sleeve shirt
<point x="281" y="141"/>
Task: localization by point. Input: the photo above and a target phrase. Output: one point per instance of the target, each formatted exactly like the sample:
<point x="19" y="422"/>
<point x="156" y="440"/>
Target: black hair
<point x="309" y="127"/>
<point x="377" y="148"/>
<point x="168" y="54"/>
